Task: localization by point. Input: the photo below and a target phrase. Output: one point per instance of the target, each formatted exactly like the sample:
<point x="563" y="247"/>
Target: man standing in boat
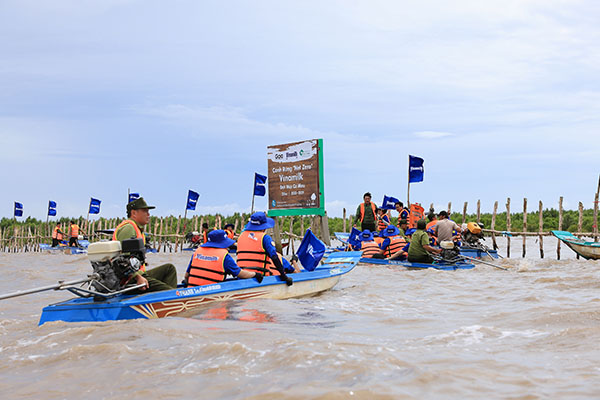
<point x="163" y="277"/>
<point x="403" y="212"/>
<point x="366" y="214"/>
<point x="256" y="250"/>
<point x="57" y="235"/>
<point x="211" y="262"/>
<point x="73" y="234"/>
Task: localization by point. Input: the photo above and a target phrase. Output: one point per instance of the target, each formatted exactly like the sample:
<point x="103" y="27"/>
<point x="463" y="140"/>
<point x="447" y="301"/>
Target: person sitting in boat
<point x="402" y="227"/>
<point x="432" y="238"/>
<point x="229" y="230"/>
<point x="369" y="246"/>
<point x="420" y="249"/>
<point x="402" y="254"/>
<point x="445" y="227"/>
<point x="205" y="231"/>
<point x="366" y="214"/>
<point x="163" y="277"/>
<point x="403" y="212"/>
<point x="73" y="234"/>
<point x="256" y="250"/>
<point x="383" y="220"/>
<point x="431" y="218"/>
<point x="57" y="235"/>
<point x="211" y="262"/>
<point x="393" y="242"/>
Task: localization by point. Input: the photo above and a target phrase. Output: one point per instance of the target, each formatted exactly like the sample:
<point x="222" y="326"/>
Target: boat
<point x="480" y="252"/>
<point x="184" y="302"/>
<point x="586" y="249"/>
<point x="65" y="249"/>
<point x="443" y="266"/>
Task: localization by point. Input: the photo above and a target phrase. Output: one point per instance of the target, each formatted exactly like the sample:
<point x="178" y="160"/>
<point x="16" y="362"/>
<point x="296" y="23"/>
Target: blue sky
<point x="501" y="99"/>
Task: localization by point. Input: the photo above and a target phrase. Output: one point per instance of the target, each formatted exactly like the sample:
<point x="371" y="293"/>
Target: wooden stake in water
<point x="493" y="227"/>
<point x="540" y="230"/>
<point x="560" y="221"/>
<point x="508" y="227"/>
<point x="524" y="226"/>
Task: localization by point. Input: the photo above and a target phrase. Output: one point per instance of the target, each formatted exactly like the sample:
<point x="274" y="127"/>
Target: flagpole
<point x="252" y="208"/>
<point x="408" y="190"/>
<point x="87" y="222"/>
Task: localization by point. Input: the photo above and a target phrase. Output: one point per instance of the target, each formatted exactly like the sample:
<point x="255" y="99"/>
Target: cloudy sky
<point x="501" y="99"/>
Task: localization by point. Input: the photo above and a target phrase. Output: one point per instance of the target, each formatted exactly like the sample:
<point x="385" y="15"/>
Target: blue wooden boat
<point x="64" y="249"/>
<point x="586" y="249"/>
<point x="187" y="301"/>
<point x="473" y="252"/>
<point x="412" y="265"/>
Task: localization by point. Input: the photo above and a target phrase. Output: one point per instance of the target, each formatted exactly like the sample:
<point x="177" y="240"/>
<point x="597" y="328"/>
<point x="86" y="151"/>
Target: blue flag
<point x="133" y="196"/>
<point x="354" y="238"/>
<point x="259" y="184"/>
<point x="192" y="200"/>
<point x="51" y="208"/>
<point x="415" y="169"/>
<point x="389" y="203"/>
<point x="94" y="206"/>
<point x="311" y="251"/>
<point x="18" y="209"/>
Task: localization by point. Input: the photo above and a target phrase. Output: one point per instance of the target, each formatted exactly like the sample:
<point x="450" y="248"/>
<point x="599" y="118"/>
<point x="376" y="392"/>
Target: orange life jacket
<point x="378" y="240"/>
<point x="252" y="256"/>
<point x="74" y="230"/>
<point x="56" y="234"/>
<point x="431" y="224"/>
<point x="369" y="249"/>
<point x="381" y="225"/>
<point x="362" y="211"/>
<point x="204" y="237"/>
<point x="138" y="235"/>
<point x="230" y="234"/>
<point x="207" y="266"/>
<point x="396" y="243"/>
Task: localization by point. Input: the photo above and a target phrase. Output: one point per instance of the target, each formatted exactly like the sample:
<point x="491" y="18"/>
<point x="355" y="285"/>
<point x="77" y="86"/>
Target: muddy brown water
<point x="532" y="332"/>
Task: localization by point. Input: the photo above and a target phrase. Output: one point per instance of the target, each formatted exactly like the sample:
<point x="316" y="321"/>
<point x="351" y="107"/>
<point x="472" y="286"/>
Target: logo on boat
<point x="197" y="290"/>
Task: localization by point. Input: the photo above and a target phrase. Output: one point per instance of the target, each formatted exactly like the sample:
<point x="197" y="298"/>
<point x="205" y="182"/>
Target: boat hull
<point x="586" y="249"/>
<point x="187" y="301"/>
<point x="413" y="265"/>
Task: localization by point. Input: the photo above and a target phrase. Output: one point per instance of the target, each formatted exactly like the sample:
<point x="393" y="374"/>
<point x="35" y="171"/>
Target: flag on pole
<point x="192" y="200"/>
<point x="415" y="169"/>
<point x="51" y="208"/>
<point x="133" y="196"/>
<point x="389" y="202"/>
<point x="311" y="251"/>
<point x="94" y="206"/>
<point x="18" y="209"/>
<point x="259" y="184"/>
<point x="354" y="238"/>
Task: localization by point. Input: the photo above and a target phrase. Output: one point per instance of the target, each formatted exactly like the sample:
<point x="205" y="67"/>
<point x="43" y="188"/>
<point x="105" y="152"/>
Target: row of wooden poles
<point x="26" y="239"/>
<point x="508" y="233"/>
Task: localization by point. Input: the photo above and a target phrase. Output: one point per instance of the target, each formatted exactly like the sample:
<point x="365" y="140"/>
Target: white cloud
<point x="432" y="134"/>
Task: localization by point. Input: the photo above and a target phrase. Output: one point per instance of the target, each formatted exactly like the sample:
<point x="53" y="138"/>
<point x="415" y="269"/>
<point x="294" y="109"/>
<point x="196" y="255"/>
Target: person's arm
<point x="426" y="246"/>
<point x="269" y="247"/>
<point x="233" y="269"/>
<point x="127" y="232"/>
<point x="357" y="215"/>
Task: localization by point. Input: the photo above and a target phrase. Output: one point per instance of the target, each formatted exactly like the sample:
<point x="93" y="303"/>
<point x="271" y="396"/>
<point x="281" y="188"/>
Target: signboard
<point x="295" y="172"/>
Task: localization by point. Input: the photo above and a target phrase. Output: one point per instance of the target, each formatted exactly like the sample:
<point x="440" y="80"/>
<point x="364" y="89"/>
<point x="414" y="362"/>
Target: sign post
<point x="295" y="176"/>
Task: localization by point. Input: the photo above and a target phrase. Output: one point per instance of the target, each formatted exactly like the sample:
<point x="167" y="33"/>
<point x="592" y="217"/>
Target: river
<point x="531" y="332"/>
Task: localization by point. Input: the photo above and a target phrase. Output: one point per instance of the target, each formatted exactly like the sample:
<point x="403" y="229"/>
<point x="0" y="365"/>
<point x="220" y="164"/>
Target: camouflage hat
<point x="402" y="222"/>
<point x="138" y="204"/>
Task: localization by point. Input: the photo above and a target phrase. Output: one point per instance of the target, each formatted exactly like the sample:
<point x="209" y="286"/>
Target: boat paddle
<point x="484" y="262"/>
<point x="59" y="286"/>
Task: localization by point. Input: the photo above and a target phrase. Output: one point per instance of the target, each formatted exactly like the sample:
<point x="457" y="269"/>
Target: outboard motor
<point x="115" y="262"/>
<point x="473" y="234"/>
<point x="450" y="252"/>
